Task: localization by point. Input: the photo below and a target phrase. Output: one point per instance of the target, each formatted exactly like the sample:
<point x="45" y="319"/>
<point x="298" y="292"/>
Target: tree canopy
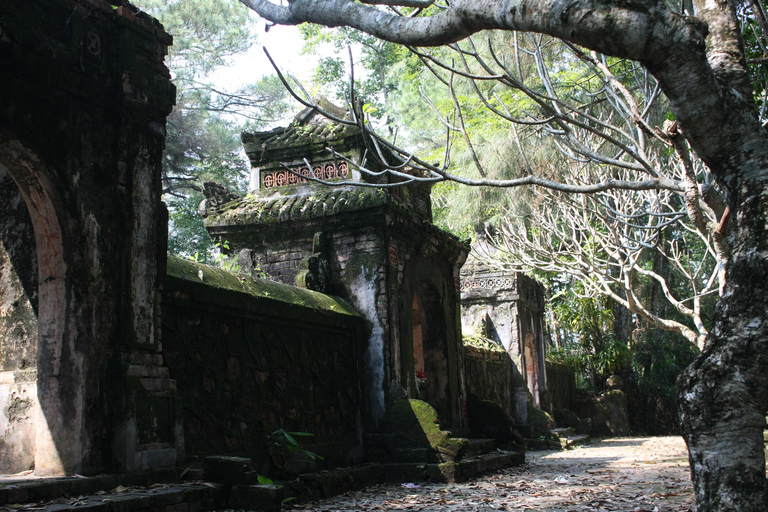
<point x="203" y="140"/>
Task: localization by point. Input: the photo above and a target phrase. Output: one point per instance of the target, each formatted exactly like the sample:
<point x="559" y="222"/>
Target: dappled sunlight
<point x="625" y="474"/>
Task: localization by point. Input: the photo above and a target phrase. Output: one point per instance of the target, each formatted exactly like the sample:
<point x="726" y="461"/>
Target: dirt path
<point x="639" y="474"/>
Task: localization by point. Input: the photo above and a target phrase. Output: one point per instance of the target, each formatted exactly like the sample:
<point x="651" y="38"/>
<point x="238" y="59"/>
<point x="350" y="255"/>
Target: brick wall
<point x="489" y="375"/>
<point x="251" y="361"/>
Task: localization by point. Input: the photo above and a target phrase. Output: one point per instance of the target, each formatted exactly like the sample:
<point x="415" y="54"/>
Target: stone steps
<point x="563" y="432"/>
<point x="575" y="440"/>
<point x="452" y="472"/>
<point x="384" y="448"/>
<point x="90" y="494"/>
<point x="191" y="497"/>
<point x="159" y="490"/>
<point x="558" y="438"/>
<point x="31" y="489"/>
<point x="568" y="437"/>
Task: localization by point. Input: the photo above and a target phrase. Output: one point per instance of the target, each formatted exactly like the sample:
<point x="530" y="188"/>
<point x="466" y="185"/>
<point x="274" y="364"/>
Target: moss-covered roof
<point x="299" y="203"/>
<point x="310" y="132"/>
<point x="296" y="135"/>
<point x="260" y="288"/>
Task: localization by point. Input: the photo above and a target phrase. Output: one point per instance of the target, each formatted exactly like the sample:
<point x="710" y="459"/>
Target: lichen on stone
<point x="262" y="288"/>
<point x="300" y="204"/>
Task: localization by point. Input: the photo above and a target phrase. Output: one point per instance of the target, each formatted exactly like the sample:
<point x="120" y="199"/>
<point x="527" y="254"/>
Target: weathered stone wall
<point x="279" y="262"/>
<point x="382" y="257"/>
<point x="490" y="375"/>
<point x="18" y="331"/>
<point x="509" y="309"/>
<point x="84" y="96"/>
<point x="561" y="385"/>
<point x="423" y="265"/>
<point x="251" y="357"/>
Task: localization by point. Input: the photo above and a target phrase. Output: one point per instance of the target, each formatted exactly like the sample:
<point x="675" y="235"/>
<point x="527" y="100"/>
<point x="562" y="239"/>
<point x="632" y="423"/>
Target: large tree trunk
<point x="723" y="396"/>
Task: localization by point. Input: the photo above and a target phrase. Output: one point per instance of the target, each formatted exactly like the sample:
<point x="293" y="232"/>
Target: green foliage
<point x="205" y="32"/>
<point x="187" y="237"/>
<point x="214" y="255"/>
<point x="283" y="446"/>
<point x="264" y="480"/>
<point x="589" y="344"/>
<point x="756" y="48"/>
<point x="286" y="441"/>
<point x="203" y="131"/>
<point x="374" y="80"/>
<point x="481" y="342"/>
<point x="658" y="358"/>
<point x="587" y="320"/>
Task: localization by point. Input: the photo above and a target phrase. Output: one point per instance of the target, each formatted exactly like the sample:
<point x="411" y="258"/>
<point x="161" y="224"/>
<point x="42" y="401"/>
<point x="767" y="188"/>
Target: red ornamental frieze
<point x="301" y="174"/>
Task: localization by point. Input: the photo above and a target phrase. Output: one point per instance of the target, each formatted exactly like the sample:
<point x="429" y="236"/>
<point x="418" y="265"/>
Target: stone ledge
<point x="108" y="493"/>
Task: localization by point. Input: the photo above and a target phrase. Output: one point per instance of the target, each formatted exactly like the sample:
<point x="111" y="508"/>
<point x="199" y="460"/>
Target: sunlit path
<point x="627" y="474"/>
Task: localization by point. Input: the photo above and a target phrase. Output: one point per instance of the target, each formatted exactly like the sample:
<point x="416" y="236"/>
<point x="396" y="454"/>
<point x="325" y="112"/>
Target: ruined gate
<point x="82" y="119"/>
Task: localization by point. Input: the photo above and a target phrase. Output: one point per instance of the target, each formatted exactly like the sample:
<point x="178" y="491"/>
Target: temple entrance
<point x="37" y="432"/>
<point x="430" y="352"/>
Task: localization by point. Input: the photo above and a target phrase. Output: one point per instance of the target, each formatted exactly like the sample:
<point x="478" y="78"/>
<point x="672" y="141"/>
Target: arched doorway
<point x="54" y="415"/>
<point x="430" y="351"/>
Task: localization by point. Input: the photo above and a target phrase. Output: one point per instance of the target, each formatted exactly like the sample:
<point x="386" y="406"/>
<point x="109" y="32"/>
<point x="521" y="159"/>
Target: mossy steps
<point x="412" y="447"/>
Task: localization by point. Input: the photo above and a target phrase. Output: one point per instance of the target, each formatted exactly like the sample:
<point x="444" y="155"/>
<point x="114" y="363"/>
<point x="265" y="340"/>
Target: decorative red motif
<point x="300" y="175"/>
<point x="393" y="255"/>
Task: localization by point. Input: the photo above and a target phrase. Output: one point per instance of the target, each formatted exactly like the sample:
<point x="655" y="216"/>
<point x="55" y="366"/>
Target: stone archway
<point x="56" y="397"/>
<point x="82" y="126"/>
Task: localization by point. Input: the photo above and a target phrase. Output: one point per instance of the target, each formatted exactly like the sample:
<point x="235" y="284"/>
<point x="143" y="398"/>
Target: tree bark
<point x="723" y="396"/>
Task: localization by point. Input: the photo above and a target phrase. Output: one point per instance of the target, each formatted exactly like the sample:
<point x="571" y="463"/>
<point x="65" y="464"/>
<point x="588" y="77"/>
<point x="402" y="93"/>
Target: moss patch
<point x="295" y="203"/>
<point x="539" y="421"/>
<point x="416" y="423"/>
<point x="220" y="278"/>
<point x="481" y="342"/>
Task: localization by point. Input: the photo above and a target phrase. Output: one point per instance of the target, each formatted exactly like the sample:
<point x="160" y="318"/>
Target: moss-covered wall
<point x="252" y="356"/>
<point x="378" y="245"/>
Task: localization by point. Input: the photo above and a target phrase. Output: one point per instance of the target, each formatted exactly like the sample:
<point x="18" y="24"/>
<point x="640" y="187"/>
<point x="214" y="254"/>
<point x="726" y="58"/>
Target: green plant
<point x="283" y="447"/>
